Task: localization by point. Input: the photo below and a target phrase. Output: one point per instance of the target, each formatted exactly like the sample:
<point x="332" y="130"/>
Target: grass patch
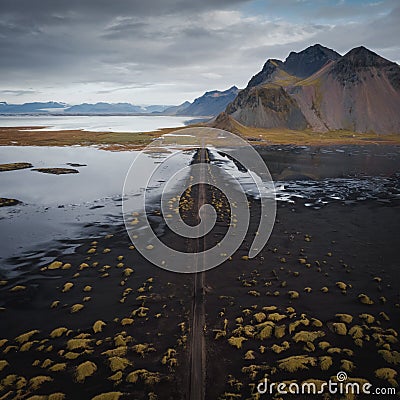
<point x="14" y="166"/>
<point x="4" y="202"/>
<point x="17" y="136"/>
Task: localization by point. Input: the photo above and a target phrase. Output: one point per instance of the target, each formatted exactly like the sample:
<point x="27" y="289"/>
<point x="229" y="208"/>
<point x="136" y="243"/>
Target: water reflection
<point x="301" y="162"/>
<point x="95" y="123"/>
<point x="69" y="207"/>
<point x="66" y="206"/>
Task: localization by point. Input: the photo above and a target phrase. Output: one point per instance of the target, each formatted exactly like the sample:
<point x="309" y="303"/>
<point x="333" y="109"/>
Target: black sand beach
<point x="104" y="320"/>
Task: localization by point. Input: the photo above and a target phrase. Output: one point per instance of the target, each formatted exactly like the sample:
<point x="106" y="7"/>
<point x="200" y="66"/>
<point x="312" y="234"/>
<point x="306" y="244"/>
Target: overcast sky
<point x="169" y="51"/>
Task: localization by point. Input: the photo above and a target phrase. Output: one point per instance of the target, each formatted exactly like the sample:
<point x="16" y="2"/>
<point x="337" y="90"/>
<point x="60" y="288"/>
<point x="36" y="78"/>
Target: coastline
<point x="119" y="141"/>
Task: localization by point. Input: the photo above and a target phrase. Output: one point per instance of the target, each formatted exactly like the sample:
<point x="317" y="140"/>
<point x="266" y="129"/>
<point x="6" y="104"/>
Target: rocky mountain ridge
<point x="319" y="89"/>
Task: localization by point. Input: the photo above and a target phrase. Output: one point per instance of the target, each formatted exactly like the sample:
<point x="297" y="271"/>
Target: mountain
<point x="155" y="108"/>
<point x="35" y="107"/>
<point x="104" y="108"/>
<point x="318" y="88"/>
<point x="211" y="103"/>
<point x="176" y="110"/>
<point x="296" y="65"/>
<point x="267" y="106"/>
<point x="85" y="108"/>
<point x="309" y="61"/>
<point x="359" y="92"/>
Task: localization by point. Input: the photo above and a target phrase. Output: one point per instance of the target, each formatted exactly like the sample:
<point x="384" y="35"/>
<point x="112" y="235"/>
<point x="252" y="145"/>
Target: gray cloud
<point x="169" y="50"/>
<point x="21" y="92"/>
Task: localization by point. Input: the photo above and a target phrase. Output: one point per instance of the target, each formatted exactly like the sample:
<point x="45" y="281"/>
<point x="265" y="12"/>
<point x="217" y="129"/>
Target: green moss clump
<point x="346" y="318"/>
<point x="387" y="374"/>
<point x="392" y="357"/>
<point x="306" y="336"/>
<point x="276" y="317"/>
<point x="325" y="362"/>
<point x="347" y="365"/>
<point x="280" y="331"/>
<point x="279" y="348"/>
<point x="84" y="370"/>
<point x="118" y="363"/>
<point x="236" y="341"/>
<point x="149" y="378"/>
<point x="356" y="332"/>
<point x="340" y="328"/>
<point x="108" y="396"/>
<point x="365" y="299"/>
<point x="37" y="381"/>
<point x="26" y="336"/>
<point x="260" y="317"/>
<point x="296" y="363"/>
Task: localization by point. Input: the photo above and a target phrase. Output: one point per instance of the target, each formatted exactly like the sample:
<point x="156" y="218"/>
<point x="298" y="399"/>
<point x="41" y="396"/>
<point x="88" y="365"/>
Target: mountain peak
<point x="217" y="93"/>
<point x="363" y="57"/>
<point x="265" y="74"/>
<point x="314" y="49"/>
<point x="347" y="70"/>
<point x="310" y="60"/>
<point x="209" y="104"/>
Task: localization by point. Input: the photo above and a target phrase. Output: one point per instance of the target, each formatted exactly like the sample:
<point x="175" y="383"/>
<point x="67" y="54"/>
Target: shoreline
<point x="25" y="136"/>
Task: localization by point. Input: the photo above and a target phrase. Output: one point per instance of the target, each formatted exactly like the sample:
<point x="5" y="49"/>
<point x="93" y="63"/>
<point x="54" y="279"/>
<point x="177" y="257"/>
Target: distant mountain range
<point x="104" y="108"/>
<point x="210" y="104"/>
<point x="84" y="109"/>
<point x="35" y="107"/>
<point x="318" y="88"/>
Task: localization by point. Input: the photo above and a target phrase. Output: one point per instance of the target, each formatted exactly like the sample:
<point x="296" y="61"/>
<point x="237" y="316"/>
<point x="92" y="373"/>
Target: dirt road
<point x="197" y="342"/>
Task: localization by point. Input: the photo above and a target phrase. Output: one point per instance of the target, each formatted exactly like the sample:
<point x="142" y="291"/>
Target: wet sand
<point x="349" y="250"/>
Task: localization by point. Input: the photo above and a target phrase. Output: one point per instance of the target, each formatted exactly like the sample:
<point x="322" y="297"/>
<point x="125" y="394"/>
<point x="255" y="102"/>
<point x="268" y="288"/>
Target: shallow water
<point x="62" y="207"/>
<point x="57" y="210"/>
<point x="347" y="174"/>
<point x="385" y="190"/>
<point x="317" y="177"/>
<point x="315" y="163"/>
<point x="95" y="123"/>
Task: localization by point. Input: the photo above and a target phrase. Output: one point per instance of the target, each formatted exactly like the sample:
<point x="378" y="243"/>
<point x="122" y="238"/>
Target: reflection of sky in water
<point x="102" y="177"/>
<point x="59" y="207"/>
<point x="96" y="123"/>
<point x="78" y="205"/>
<point x="326" y="176"/>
